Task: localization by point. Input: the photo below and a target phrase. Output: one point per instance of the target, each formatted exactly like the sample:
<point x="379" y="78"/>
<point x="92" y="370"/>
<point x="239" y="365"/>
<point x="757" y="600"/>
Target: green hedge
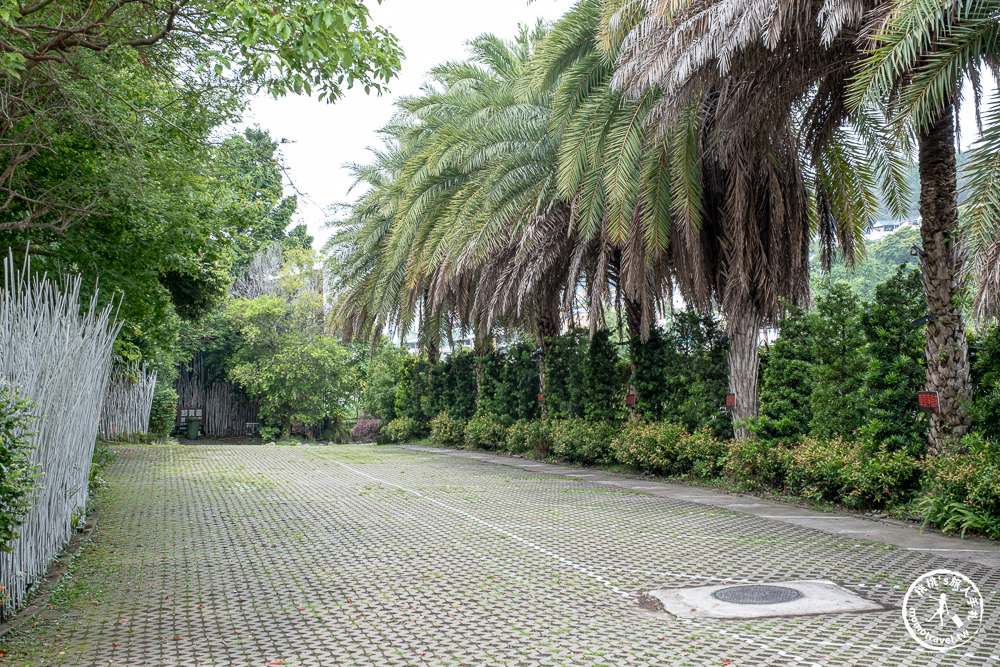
<point x="18" y="482"/>
<point x="961" y="490"/>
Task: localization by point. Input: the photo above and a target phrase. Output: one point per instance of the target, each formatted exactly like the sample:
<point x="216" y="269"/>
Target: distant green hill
<point x="882" y="259"/>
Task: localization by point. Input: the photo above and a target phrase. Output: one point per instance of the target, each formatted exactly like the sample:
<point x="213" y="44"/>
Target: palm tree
<point x="754" y="174"/>
<point x="615" y="174"/>
<point x="923" y="51"/>
<point x="801" y="64"/>
<point x="465" y="221"/>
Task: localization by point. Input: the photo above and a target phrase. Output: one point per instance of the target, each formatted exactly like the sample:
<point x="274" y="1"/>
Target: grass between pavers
<point x="719" y="483"/>
<point x="80" y="598"/>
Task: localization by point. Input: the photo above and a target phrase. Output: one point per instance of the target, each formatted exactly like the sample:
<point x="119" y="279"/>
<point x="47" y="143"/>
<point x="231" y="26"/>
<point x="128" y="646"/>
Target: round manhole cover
<point x="756" y="594"/>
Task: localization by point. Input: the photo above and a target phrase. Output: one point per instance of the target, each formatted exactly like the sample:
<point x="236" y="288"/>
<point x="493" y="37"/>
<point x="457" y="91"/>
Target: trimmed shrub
<point x="602" y="377"/>
<point x="367" y="430"/>
<point x="652" y="448"/>
<point x="446" y="430"/>
<point x="509" y="386"/>
<point x="412" y="398"/>
<point x="580" y="441"/>
<point x="649" y="360"/>
<point x="528" y="437"/>
<point x="664" y="448"/>
<point x="755" y="465"/>
<point x="786" y="380"/>
<point x="701" y="454"/>
<point x="961" y="490"/>
<point x="451" y="386"/>
<point x="985" y="361"/>
<point x="400" y="429"/>
<point x="881" y="479"/>
<point x="485" y="432"/>
<point x="697" y="372"/>
<point x="163" y="412"/>
<point x="838" y="397"/>
<point x="565" y="381"/>
<point x="895" y="370"/>
<point x="850" y="473"/>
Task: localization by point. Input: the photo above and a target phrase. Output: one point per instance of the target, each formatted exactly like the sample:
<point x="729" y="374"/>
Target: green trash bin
<point x="193" y="424"/>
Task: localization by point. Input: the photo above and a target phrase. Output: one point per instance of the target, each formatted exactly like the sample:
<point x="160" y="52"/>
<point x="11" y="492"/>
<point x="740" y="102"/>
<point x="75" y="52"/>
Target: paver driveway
<point x="220" y="555"/>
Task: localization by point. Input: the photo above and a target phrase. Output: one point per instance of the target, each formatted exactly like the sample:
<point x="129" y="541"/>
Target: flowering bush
<point x="367" y="430"/>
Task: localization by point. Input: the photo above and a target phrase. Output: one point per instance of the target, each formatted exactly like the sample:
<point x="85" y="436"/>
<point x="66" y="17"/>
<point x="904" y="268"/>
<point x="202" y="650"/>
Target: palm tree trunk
<point x="633" y="317"/>
<point x="947" y="349"/>
<point x="482" y="345"/>
<point x="430" y="332"/>
<point x="744" y="363"/>
<point x="547" y="330"/>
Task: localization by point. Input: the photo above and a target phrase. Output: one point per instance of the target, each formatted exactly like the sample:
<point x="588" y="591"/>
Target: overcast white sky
<point x="326" y="136"/>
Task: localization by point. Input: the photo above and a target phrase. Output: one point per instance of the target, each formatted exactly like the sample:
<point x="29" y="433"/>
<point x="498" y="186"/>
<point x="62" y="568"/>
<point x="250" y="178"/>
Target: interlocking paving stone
<point x="244" y="555"/>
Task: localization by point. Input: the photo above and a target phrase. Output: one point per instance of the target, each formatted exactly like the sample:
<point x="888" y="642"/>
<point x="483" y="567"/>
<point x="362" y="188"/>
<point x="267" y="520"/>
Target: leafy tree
<point x="753" y="174"/>
<point x="463" y="218"/>
<point x="880" y="262"/>
<point x="837" y="402"/>
<point x="378" y="388"/>
<point x="55" y="57"/>
<point x="896" y="364"/>
<point x="285" y="362"/>
<point x="787" y="379"/>
<point x="985" y="408"/>
<point x="602" y="379"/>
<point x="258" y="213"/>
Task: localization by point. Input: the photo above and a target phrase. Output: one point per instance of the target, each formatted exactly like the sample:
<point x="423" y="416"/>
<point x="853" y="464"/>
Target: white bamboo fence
<point x="128" y="401"/>
<point x="59" y="356"/>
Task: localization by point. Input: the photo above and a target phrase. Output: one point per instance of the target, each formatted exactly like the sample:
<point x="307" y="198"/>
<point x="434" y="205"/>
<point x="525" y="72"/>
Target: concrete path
<point x="252" y="555"/>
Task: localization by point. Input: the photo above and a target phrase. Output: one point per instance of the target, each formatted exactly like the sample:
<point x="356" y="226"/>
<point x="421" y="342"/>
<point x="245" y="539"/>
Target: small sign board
<point x="730" y="401"/>
<point x="928" y="401"/>
<point x="630" y="400"/>
<point x="541" y="397"/>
